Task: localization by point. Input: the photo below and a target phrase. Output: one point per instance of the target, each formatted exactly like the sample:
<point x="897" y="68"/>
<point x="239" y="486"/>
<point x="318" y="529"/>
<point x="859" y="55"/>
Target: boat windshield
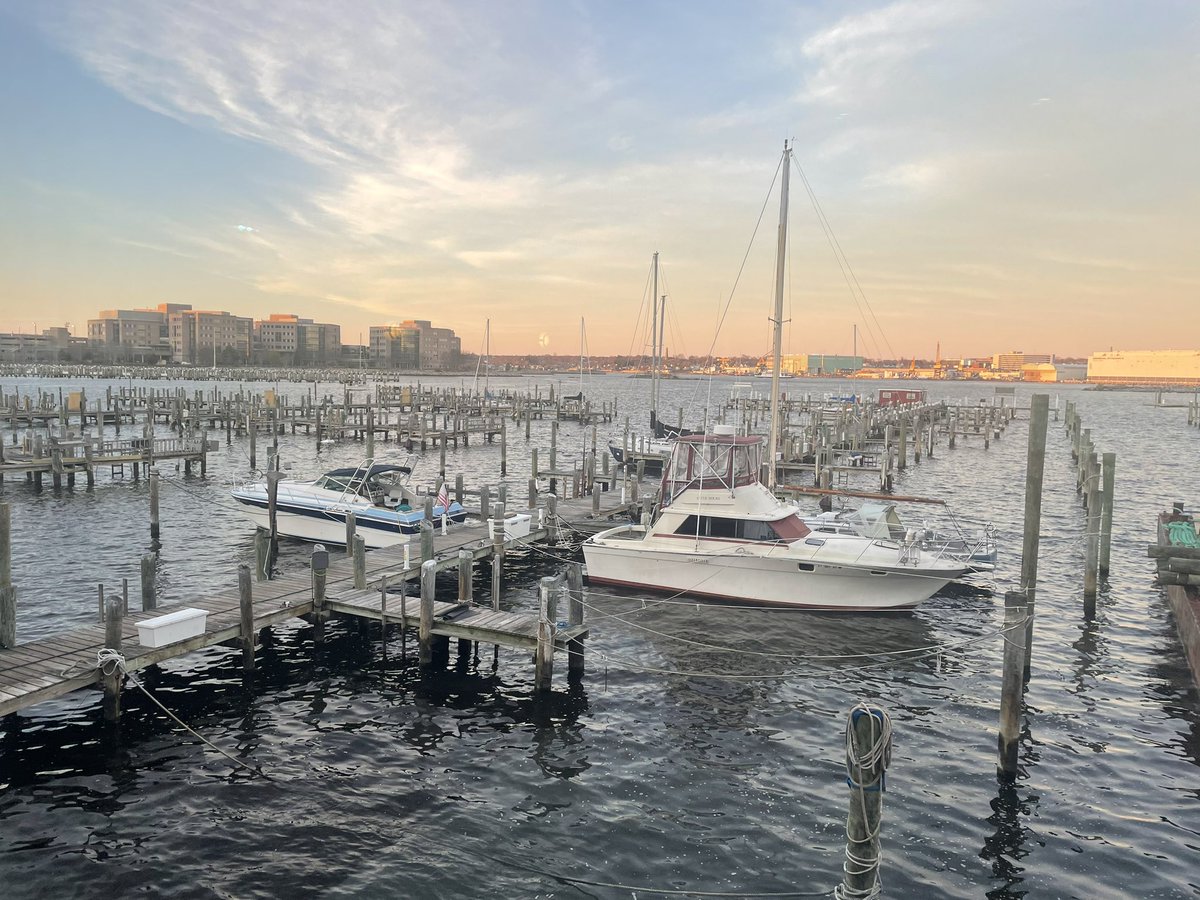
<point x="711" y="463"/>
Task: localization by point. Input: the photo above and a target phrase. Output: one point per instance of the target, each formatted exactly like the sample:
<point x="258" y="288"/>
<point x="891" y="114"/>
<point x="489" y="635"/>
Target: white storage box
<point x="172" y="628"/>
<point x="517" y="526"/>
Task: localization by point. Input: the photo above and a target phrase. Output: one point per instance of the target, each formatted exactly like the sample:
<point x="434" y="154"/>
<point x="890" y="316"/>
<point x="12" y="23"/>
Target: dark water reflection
<point x="702" y="750"/>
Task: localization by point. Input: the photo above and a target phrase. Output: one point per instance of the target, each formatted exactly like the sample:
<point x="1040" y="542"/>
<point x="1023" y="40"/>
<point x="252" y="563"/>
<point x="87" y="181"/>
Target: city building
<point x="814" y="363"/>
<point x="414" y="345"/>
<point x="134" y="334"/>
<point x="1164" y="367"/>
<point x="207" y="337"/>
<point x="1014" y="360"/>
<point x="52" y="345"/>
<point x="287" y="338"/>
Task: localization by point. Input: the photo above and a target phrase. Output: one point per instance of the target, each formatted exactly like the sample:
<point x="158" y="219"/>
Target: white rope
<point x="109" y="661"/>
<point x="877" y="755"/>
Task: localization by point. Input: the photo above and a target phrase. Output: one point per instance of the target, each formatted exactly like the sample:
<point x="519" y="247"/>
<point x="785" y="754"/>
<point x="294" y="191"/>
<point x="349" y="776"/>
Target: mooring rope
<point x="878" y="754"/>
<point x="109" y="661"/>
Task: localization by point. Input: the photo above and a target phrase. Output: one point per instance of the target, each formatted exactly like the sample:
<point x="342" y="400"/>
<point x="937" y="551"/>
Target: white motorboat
<point x="386" y="510"/>
<point x="722" y="533"/>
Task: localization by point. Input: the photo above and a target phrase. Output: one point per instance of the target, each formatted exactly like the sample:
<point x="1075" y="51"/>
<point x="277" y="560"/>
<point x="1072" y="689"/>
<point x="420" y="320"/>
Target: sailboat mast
<point x="662" y="333"/>
<point x="487" y="353"/>
<point x="654" y="351"/>
<point x="777" y="343"/>
<point x="581" y="337"/>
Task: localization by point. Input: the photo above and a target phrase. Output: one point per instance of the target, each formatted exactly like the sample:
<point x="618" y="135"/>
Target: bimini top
<point x="375" y="469"/>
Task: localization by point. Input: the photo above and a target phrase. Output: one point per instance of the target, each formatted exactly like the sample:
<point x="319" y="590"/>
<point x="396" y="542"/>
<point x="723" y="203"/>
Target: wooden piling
<point x="426" y="541"/>
<point x="359" y="547"/>
<point x="351" y="529"/>
<point x="149" y="593"/>
<point x="552" y="518"/>
<point x="544" y="656"/>
<point x="1091" y="562"/>
<point x="273" y="477"/>
<point x="1016" y="609"/>
<point x="497" y="554"/>
<point x="8" y="593"/>
<point x="113" y="678"/>
<point x="575" y="619"/>
<point x="1108" y="478"/>
<point x="246" y="610"/>
<point x="425" y="632"/>
<point x="867" y="758"/>
<point x="155" y="529"/>
<point x="1035" y="464"/>
<point x="319" y="564"/>
<point x="262" y="554"/>
<point x="466" y="565"/>
<point x="503" y="449"/>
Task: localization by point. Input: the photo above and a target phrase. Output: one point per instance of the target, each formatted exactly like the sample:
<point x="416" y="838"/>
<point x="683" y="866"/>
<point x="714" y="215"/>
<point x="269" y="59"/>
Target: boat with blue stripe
<point x="386" y="509"/>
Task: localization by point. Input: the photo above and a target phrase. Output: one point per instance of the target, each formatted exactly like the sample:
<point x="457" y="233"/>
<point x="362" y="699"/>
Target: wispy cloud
<point x="862" y="52"/>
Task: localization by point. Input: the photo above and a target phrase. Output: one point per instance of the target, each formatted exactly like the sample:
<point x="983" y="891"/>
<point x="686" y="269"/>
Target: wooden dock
<point x="366" y="585"/>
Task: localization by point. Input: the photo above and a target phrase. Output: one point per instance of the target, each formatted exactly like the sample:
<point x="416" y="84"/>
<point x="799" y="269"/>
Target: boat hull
<point x="758" y="580"/>
<point x="378" y="528"/>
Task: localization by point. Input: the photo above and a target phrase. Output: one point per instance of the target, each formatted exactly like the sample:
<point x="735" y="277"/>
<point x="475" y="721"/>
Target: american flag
<point x="443" y="498"/>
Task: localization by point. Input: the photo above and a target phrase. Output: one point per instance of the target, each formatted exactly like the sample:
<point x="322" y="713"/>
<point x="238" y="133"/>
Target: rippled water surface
<point x="702" y="750"/>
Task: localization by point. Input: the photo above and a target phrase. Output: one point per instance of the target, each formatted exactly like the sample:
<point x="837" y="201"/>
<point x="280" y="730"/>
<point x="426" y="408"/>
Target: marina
<point x="642" y="652"/>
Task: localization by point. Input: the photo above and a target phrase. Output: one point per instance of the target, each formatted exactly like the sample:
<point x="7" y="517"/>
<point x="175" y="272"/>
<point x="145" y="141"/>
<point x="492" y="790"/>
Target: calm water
<point x="703" y="749"/>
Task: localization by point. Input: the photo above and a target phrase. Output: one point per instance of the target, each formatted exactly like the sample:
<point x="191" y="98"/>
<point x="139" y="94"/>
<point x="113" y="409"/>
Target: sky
<point x="997" y="175"/>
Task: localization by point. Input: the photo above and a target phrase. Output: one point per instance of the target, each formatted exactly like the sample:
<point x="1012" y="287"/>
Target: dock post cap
<point x="320" y="557"/>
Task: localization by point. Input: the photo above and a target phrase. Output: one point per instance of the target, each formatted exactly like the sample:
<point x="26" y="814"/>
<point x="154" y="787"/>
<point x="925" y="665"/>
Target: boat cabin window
<point x="720" y="527"/>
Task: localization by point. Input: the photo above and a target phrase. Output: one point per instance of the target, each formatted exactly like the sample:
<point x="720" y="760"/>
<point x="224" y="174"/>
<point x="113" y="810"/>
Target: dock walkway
<point x="51" y="667"/>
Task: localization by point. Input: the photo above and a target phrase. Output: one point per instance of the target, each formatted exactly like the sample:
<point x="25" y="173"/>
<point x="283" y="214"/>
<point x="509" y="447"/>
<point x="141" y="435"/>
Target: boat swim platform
<point x="52" y="667"/>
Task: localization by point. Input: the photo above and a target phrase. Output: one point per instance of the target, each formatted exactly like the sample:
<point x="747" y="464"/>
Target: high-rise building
<point x="415" y="344"/>
<point x="206" y="337"/>
<point x="130" y="333"/>
<point x="298" y="340"/>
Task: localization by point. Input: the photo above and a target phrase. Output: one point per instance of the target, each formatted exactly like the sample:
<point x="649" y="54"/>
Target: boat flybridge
<point x="386" y="510"/>
<point x="722" y="533"/>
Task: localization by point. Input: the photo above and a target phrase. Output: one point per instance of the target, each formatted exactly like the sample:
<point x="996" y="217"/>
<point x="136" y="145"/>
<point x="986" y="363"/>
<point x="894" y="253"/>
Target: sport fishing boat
<point x="385" y="508"/>
<point x="722" y="533"/>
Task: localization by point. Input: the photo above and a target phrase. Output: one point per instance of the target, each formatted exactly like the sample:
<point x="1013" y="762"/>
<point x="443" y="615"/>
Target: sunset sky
<point x="999" y="175"/>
